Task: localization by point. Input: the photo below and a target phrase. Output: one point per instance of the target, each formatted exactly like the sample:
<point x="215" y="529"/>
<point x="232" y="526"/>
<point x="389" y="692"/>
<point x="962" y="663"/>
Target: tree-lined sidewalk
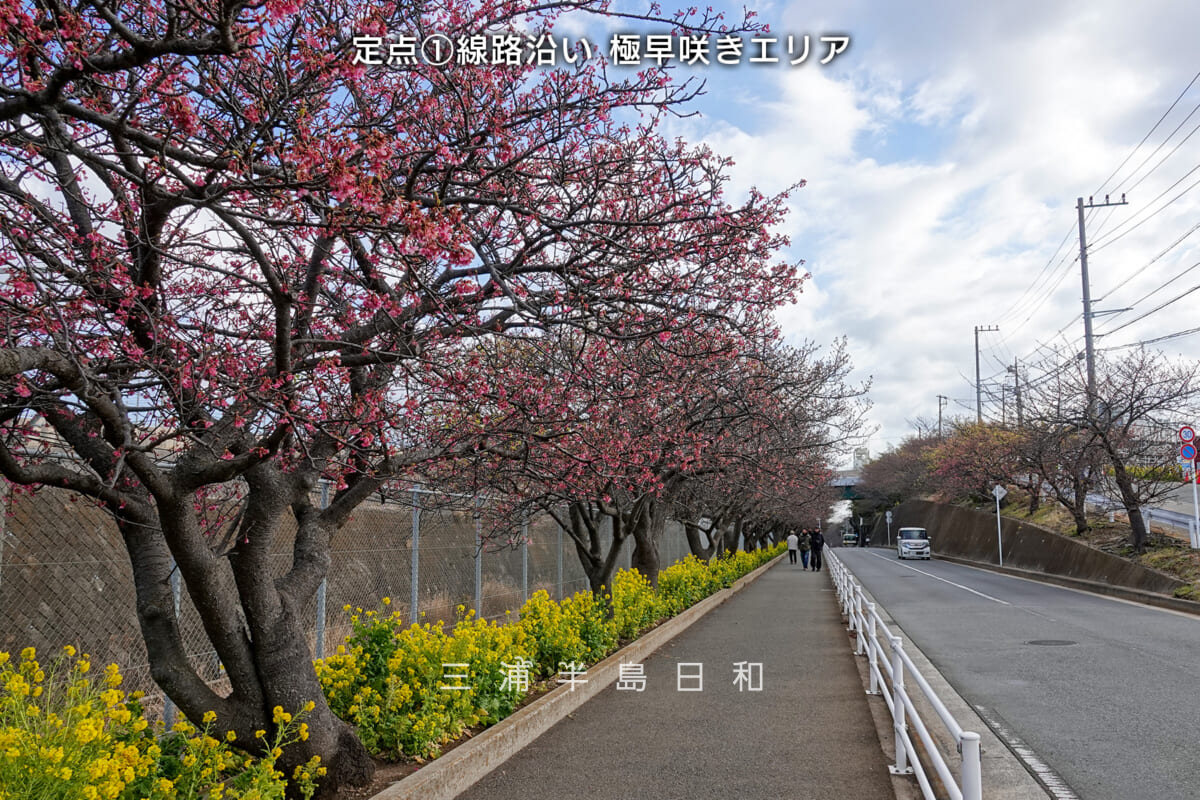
<point x="760" y="698"/>
<point x="238" y="261"/>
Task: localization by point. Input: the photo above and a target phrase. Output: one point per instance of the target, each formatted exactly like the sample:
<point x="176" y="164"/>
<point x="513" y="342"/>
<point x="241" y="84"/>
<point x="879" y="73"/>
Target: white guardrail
<point x="894" y="664"/>
<point x="1175" y="519"/>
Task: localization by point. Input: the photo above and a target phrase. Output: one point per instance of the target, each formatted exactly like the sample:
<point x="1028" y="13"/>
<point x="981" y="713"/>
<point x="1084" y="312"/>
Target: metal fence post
<point x="478" y="560"/>
<point x="524" y="561"/>
<point x="323" y="589"/>
<point x="560" y="577"/>
<point x="972" y="768"/>
<point x="176" y="596"/>
<point x="5" y="491"/>
<point x="416" y="553"/>
<point x="872" y="649"/>
<point x="898" y="711"/>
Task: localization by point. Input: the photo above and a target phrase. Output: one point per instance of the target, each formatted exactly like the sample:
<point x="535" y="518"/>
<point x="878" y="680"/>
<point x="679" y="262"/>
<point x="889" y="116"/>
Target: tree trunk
<point x="584" y="531"/>
<point x="1078" y="506"/>
<point x="646" y="529"/>
<point x="1034" y="487"/>
<point x="1133" y="507"/>
<point x="251" y="620"/>
<point x="288" y="680"/>
<point x="732" y="538"/>
<point x="693" y="531"/>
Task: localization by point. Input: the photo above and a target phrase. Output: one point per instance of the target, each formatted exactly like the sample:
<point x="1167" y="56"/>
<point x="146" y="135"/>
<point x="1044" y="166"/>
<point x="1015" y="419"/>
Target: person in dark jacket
<point x="818" y="544"/>
<point x="805" y="546"/>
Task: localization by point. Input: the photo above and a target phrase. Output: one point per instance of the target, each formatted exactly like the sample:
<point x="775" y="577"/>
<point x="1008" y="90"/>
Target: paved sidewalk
<point x="807" y="735"/>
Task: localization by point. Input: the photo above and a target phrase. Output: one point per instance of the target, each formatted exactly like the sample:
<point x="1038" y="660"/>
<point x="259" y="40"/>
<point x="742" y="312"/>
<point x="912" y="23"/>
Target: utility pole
<point x="1088" y="349"/>
<point x="942" y="401"/>
<point x="1015" y="370"/>
<point x="978" y="391"/>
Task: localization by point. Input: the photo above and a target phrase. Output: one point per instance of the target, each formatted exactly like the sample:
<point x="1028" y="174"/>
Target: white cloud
<point x="944" y="152"/>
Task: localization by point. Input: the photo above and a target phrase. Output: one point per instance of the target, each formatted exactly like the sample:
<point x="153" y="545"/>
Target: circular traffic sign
<point x="1187" y="452"/>
<point x="1186" y="434"/>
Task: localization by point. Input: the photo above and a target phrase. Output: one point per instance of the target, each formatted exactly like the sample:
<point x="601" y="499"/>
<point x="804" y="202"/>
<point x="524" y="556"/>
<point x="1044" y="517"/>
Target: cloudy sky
<point x="944" y="152"/>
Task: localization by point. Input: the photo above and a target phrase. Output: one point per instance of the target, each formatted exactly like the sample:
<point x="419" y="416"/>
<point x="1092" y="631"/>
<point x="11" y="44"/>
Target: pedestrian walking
<point x="793" y="543"/>
<point x="818" y="544"/>
<point x="805" y="545"/>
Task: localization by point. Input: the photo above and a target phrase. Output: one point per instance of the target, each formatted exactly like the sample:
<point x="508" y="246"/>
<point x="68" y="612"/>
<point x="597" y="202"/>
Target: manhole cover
<point x="1052" y="642"/>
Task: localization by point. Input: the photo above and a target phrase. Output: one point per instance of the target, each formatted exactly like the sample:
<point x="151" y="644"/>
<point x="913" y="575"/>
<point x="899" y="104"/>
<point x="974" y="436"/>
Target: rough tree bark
<point x="584" y="521"/>
<point x="646" y="526"/>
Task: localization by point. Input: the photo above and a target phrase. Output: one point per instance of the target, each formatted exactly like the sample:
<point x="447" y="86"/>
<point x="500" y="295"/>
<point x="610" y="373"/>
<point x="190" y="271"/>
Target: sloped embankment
<point x="965" y="533"/>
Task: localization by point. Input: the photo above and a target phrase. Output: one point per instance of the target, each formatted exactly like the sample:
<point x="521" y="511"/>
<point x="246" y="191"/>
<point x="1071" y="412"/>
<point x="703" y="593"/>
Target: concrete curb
<point x="1096" y="587"/>
<point x="447" y="777"/>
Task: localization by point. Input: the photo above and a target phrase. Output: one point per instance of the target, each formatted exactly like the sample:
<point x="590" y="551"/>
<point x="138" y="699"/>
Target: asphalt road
<point x="1104" y="692"/>
<point x="1178" y="500"/>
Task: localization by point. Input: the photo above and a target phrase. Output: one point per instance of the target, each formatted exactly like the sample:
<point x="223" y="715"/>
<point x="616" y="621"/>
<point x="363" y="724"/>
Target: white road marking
<point x="1036" y="613"/>
<point x="1041" y="771"/>
<point x="943" y="580"/>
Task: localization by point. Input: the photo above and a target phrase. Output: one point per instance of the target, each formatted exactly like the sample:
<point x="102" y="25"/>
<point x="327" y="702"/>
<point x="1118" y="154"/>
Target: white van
<point x="912" y="543"/>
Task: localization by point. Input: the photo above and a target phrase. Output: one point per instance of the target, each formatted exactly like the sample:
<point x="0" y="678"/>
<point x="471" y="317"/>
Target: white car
<point x="912" y="543"/>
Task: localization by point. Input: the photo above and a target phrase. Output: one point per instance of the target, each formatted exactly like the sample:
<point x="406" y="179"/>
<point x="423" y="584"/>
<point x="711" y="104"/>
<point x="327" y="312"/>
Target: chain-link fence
<point x="65" y="576"/>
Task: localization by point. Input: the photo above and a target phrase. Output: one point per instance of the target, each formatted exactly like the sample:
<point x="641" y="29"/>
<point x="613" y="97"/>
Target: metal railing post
<point x="860" y="603"/>
<point x="414" y="582"/>
<point x="872" y="649"/>
<point x="851" y="601"/>
<point x="898" y="711"/>
<point x="972" y="768"/>
<point x="872" y="631"/>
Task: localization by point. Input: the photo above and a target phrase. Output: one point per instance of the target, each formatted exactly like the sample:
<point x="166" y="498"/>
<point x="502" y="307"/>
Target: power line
<point x="1148" y="135"/>
<point x="1173" y="149"/>
<point x="1032" y="286"/>
<point x="1046" y="294"/>
<point x="1151" y="263"/>
<point x="1157" y="308"/>
<point x="1176" y="335"/>
<point x="1152" y="292"/>
<point x="1114" y="237"/>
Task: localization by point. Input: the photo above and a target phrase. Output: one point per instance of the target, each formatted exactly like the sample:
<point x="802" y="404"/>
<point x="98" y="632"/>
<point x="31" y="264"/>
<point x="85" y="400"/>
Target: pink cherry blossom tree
<point x="236" y="262"/>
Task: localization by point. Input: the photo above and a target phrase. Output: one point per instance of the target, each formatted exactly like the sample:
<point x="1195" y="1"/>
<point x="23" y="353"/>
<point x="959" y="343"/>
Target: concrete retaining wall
<point x="967" y="534"/>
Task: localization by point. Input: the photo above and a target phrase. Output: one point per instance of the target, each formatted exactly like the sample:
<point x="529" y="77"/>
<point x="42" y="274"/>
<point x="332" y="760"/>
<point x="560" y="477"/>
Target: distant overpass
<point x="846" y="480"/>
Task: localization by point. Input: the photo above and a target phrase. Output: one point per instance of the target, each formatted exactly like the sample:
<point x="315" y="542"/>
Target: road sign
<point x="999" y="493"/>
<point x="1187" y="451"/>
<point x="1187" y="434"/>
<point x="888" y="516"/>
